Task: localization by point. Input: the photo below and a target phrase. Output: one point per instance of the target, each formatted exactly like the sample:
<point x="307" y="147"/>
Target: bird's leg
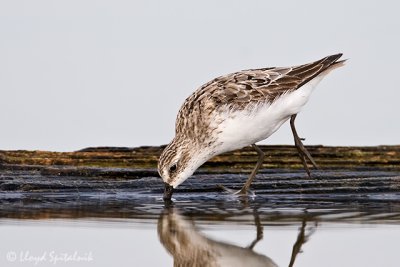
<point x="246" y="186"/>
<point x="302" y="238"/>
<point x="259" y="228"/>
<point x="303" y="153"/>
<point x="260" y="160"/>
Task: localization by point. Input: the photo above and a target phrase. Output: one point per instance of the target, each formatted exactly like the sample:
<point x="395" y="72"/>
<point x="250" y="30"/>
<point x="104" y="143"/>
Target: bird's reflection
<point x="302" y="238"/>
<point x="190" y="247"/>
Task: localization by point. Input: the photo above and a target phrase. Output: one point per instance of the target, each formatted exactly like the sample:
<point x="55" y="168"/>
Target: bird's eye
<point x="172" y="168"/>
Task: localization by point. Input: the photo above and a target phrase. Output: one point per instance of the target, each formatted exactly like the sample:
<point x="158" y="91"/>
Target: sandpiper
<point x="189" y="247"/>
<point x="238" y="110"/>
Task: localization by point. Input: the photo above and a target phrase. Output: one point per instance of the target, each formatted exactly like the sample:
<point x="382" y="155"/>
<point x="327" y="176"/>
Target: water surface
<point x="126" y="223"/>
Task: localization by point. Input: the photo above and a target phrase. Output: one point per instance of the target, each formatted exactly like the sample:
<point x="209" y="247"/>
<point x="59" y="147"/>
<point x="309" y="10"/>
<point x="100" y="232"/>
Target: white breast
<point x="245" y="127"/>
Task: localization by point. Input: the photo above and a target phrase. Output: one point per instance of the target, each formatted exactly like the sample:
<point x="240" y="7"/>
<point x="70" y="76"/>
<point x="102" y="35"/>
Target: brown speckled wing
<point x="263" y="85"/>
<point x="241" y="89"/>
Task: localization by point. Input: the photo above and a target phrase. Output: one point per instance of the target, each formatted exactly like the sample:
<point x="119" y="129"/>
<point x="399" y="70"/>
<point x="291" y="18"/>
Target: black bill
<point x="168" y="190"/>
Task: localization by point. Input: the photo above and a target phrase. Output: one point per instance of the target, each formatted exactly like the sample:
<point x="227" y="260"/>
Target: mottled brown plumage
<point x="248" y="87"/>
<point x="191" y="248"/>
<point x="236" y="110"/>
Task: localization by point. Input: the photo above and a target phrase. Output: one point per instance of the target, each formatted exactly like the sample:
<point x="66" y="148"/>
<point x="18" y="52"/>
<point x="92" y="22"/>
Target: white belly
<point x="243" y="128"/>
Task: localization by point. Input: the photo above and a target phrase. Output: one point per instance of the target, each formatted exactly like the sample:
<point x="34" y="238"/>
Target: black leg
<point x="260" y="160"/>
<point x="259" y="228"/>
<point x="245" y="189"/>
<point x="303" y="153"/>
<point x="302" y="238"/>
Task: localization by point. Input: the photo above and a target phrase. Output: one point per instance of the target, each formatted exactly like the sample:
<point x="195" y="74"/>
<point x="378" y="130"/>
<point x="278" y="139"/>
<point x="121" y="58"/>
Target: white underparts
<point x="240" y="128"/>
<point x="245" y="127"/>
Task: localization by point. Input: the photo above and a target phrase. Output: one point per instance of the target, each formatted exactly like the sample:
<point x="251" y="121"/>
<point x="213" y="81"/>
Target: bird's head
<point x="178" y="161"/>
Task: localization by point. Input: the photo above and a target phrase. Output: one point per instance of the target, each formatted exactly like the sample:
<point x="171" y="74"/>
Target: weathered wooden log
<point x="237" y="161"/>
<point x="123" y="182"/>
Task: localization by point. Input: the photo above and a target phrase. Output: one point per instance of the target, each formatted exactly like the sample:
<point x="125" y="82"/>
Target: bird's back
<point x="243" y="91"/>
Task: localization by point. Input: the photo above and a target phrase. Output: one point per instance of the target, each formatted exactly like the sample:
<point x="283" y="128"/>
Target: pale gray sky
<point x="81" y="73"/>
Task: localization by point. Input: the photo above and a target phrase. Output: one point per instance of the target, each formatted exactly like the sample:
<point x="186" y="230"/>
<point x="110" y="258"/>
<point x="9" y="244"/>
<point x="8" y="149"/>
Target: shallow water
<point x="210" y="233"/>
<point x="134" y="243"/>
<point x="124" y="225"/>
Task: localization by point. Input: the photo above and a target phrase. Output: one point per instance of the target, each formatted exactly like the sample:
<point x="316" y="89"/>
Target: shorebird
<point x="238" y="110"/>
<point x="189" y="247"/>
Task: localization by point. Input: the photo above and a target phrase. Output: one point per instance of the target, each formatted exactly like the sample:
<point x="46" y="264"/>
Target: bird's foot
<point x="243" y="192"/>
